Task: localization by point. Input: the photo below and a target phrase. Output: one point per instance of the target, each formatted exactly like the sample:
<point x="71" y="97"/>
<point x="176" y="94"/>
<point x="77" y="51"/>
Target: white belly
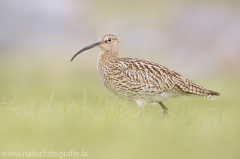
<point x="155" y="98"/>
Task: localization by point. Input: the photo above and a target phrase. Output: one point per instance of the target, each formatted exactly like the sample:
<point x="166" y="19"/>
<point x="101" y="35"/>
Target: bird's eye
<point x="109" y="39"/>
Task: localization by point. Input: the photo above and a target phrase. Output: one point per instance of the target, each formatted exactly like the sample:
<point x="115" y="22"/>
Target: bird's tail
<point x="211" y="95"/>
<point x="214" y="93"/>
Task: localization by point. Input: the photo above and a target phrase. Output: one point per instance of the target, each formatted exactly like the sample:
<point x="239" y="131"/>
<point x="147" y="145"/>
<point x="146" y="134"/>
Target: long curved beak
<point x="86" y="48"/>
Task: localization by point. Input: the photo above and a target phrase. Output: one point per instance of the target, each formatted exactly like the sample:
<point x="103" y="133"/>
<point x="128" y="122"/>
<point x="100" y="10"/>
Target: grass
<point x="69" y="110"/>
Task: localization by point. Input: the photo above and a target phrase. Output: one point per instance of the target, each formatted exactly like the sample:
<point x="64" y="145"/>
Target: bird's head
<point x="106" y="42"/>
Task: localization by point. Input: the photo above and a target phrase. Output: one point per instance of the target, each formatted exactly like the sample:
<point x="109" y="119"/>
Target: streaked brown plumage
<point x="140" y="80"/>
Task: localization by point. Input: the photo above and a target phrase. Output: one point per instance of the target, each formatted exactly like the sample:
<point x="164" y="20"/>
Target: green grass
<point x="57" y="109"/>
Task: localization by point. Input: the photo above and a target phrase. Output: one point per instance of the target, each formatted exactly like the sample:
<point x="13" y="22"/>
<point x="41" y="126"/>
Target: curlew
<point x="139" y="80"/>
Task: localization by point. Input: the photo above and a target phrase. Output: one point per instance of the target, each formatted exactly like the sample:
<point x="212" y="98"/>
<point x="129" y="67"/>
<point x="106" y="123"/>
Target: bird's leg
<point x="141" y="104"/>
<point x="165" y="110"/>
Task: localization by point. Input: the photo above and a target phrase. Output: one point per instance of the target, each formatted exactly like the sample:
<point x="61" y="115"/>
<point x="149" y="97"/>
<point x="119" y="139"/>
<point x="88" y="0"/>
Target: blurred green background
<point x="49" y="103"/>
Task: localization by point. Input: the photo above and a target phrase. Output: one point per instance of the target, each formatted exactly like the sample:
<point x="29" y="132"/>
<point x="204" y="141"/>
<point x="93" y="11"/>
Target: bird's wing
<point x="159" y="77"/>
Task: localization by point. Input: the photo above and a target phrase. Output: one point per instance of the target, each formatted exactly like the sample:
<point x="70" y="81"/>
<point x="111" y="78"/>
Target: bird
<point x="141" y="81"/>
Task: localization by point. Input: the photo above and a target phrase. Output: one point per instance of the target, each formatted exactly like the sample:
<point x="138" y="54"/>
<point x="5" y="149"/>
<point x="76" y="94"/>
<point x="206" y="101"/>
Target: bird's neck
<point x="108" y="55"/>
<point x="105" y="59"/>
